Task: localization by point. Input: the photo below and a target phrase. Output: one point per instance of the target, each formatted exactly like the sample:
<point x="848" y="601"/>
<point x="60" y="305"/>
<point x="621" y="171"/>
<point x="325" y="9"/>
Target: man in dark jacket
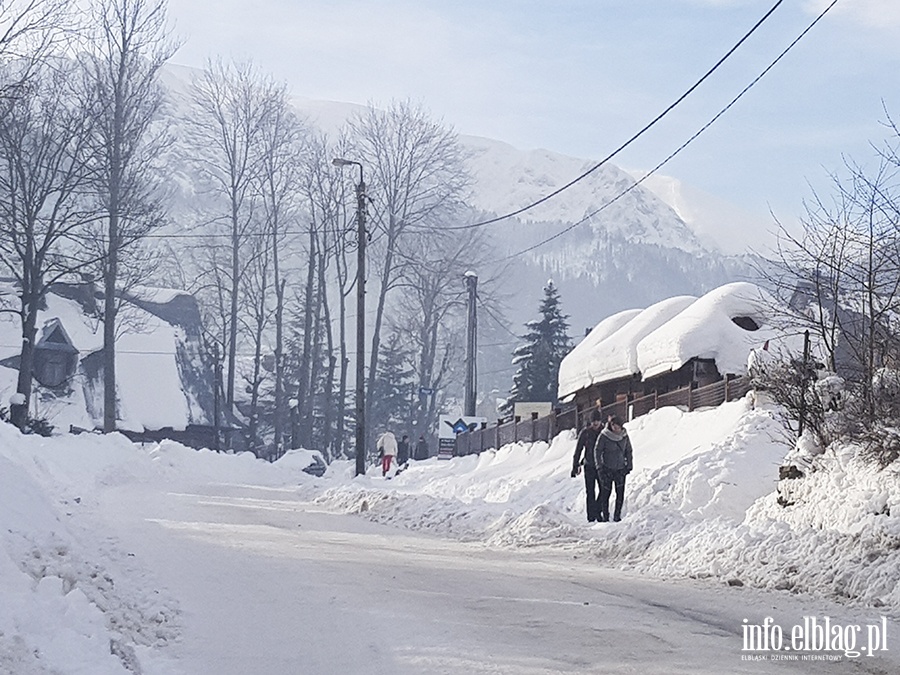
<point x="403" y="451"/>
<point x="421" y="451"/>
<point x="586" y="441"/>
<point x="613" y="457"/>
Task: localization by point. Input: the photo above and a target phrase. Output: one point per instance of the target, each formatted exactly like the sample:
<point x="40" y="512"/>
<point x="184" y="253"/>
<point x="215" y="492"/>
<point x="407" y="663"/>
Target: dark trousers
<point x="607" y="478"/>
<point x="591" y="483"/>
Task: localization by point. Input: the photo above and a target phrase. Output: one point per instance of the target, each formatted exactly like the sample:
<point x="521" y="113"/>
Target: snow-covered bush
<point x="33" y="425"/>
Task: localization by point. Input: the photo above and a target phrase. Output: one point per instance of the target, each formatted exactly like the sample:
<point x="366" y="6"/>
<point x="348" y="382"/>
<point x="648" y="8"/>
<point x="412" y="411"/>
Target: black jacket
<point x="613" y="451"/>
<point x="586" y="440"/>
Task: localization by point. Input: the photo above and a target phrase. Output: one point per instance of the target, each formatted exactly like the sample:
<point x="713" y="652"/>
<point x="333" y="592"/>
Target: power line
<point x="633" y="138"/>
<point x="494" y="317"/>
<point x="682" y="146"/>
<point x="549" y="196"/>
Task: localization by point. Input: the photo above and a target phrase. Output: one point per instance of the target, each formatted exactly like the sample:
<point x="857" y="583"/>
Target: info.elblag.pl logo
<point x="814" y="639"/>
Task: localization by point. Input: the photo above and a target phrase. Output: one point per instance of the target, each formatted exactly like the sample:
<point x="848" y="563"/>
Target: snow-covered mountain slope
<point x="718" y="224"/>
<point x="507" y="179"/>
<point x="635" y="250"/>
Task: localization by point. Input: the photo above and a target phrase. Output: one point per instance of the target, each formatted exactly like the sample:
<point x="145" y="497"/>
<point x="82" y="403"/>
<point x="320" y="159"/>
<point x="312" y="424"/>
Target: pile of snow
<point x="72" y="601"/>
<point x="701" y="503"/>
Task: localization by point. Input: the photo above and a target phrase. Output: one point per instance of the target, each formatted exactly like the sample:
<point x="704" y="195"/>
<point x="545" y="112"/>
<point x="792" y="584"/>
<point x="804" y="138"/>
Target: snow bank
<point x="700" y="503"/>
<point x="72" y="601"/>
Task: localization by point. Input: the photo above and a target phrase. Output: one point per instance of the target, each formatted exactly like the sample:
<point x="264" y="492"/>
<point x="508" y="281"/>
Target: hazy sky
<point x="581" y="76"/>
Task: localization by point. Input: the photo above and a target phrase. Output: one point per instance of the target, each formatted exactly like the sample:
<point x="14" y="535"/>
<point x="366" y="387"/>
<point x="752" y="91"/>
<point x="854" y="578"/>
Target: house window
<point x="746" y="323"/>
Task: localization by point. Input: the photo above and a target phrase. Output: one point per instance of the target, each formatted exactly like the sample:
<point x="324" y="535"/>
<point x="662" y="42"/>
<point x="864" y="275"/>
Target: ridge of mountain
<point x="642" y="244"/>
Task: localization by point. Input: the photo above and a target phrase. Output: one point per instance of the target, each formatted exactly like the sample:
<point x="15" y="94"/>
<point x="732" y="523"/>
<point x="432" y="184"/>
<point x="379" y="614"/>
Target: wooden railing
<point x="545" y="428"/>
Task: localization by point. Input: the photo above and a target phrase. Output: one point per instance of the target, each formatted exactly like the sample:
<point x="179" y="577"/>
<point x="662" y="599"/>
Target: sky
<point x="582" y="76"/>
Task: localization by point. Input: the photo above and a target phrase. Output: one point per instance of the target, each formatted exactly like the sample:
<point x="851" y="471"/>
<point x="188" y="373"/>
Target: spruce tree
<point x="546" y="343"/>
<point x="391" y="395"/>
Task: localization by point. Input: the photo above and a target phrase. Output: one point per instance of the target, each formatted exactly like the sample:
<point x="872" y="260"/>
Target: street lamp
<point x="360" y="315"/>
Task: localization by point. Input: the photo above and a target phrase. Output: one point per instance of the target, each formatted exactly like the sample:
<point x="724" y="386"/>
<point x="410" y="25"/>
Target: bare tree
<point x="45" y="153"/>
<point x="335" y="241"/>
<point x="417" y="172"/>
<point x="283" y="146"/>
<point x="841" y="278"/>
<point x="29" y="29"/>
<point x="233" y="105"/>
<point x="131" y="45"/>
<point x="431" y="308"/>
<point x="256" y="322"/>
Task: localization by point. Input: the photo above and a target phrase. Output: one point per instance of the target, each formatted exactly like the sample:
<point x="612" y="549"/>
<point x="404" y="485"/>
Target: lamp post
<point x="360" y="315"/>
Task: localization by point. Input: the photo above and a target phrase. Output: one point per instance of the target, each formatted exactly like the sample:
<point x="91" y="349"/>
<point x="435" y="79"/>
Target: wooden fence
<point x="545" y="428"/>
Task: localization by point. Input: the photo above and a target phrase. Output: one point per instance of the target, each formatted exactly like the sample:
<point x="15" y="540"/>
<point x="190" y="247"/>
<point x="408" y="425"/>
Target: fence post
<point x="690" y="397"/>
<point x="499" y="422"/>
<point x="655" y="399"/>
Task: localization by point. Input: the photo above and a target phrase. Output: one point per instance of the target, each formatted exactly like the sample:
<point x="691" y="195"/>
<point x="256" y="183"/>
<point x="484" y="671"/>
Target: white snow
<point x="701" y="503"/>
<point x="575" y="369"/>
<point x="150" y="392"/>
<point x="670" y="333"/>
<point x="615" y="355"/>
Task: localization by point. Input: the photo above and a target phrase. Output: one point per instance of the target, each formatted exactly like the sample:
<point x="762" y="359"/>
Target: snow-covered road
<point x="270" y="584"/>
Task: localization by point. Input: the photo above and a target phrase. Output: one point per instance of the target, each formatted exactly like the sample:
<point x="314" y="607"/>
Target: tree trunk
<point x="328" y="386"/>
<point x="303" y="383"/>
<point x="233" y="311"/>
<point x="19" y="412"/>
<point x="314" y="372"/>
<point x="279" y="362"/>
<point x="342" y="385"/>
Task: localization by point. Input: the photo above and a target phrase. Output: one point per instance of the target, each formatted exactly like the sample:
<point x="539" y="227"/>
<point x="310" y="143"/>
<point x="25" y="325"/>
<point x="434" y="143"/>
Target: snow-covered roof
<point x="151" y="392"/>
<point x="670" y="333"/>
<point x="575" y="369"/>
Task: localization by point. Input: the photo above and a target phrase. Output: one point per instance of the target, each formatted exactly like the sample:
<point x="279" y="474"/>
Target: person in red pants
<point x="387" y="447"/>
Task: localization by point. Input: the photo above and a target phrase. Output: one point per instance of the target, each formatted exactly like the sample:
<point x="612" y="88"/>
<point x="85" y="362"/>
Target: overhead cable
<point x="682" y="146"/>
<point x="631" y="140"/>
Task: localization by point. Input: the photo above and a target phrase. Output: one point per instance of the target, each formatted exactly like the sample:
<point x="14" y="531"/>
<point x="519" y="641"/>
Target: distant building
<point x="165" y="381"/>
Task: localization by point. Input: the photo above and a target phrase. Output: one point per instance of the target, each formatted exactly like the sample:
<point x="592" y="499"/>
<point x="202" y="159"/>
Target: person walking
<point x="402" y="452"/>
<point x="586" y="441"/>
<point x="387" y="446"/>
<point x="421" y="448"/>
<point x="614" y="461"/>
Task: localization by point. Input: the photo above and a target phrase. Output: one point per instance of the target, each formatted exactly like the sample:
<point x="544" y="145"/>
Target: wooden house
<point x="682" y="342"/>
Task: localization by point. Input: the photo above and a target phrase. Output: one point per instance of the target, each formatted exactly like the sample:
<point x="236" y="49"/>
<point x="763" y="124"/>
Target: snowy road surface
<point x="268" y="584"/>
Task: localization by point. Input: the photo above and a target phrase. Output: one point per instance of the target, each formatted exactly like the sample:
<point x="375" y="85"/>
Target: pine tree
<point x="546" y="343"/>
<point x="391" y="395"/>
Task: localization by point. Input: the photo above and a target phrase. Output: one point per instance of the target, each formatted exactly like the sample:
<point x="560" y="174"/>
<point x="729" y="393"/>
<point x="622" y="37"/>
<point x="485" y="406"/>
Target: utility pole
<point x="471" y="345"/>
<point x="804" y="382"/>
<point x="360" y="315"/>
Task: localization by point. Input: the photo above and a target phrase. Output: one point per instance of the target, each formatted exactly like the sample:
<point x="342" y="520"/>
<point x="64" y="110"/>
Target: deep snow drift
<point x="701" y="503"/>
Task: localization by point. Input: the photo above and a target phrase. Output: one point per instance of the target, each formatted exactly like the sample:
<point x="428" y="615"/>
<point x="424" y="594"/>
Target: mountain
<point x="636" y="249"/>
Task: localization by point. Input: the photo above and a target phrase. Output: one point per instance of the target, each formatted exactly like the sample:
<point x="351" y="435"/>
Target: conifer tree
<point x="391" y="398"/>
<point x="546" y="343"/>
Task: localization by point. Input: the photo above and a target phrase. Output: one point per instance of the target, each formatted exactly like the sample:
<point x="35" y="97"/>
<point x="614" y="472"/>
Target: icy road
<point x="269" y="584"/>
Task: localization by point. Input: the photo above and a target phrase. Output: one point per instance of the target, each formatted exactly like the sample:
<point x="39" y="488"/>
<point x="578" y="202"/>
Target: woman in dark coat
<point x="613" y="457"/>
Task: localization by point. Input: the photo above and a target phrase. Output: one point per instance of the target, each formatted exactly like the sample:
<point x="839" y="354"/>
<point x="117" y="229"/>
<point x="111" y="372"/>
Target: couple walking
<point x="607" y="460"/>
